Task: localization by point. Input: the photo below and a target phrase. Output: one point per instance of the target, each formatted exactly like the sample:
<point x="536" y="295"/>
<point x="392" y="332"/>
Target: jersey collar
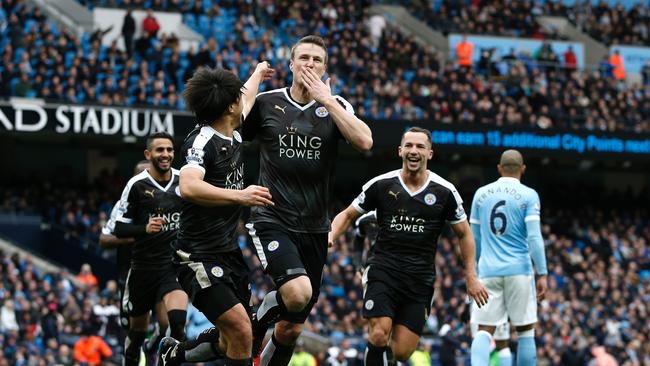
<point x="419" y="190"/>
<point x="508" y="180"/>
<point x="296" y="104"/>
<point x="219" y="134"/>
<point x="155" y="183"/>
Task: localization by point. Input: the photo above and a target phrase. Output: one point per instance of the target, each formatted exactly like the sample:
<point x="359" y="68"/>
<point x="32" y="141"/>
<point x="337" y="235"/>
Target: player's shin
<point x="505" y="357"/>
<point x="177" y="319"/>
<point x="526" y="349"/>
<point x="378" y="356"/>
<point x="481" y="348"/>
<point x="132" y="345"/>
<point x="276" y="354"/>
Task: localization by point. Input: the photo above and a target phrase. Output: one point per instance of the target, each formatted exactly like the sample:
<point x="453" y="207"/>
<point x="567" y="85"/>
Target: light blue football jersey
<point x="502" y="209"/>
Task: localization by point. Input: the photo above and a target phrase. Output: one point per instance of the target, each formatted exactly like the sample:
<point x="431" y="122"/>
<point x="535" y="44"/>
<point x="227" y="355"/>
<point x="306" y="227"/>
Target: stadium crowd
<point x="494" y="17"/>
<point x="384" y="74"/>
<point x="599" y="288"/>
<point x="612" y="25"/>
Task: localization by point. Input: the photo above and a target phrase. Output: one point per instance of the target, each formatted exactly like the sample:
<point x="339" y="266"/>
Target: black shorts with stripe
<point x="144" y="288"/>
<point x="217" y="285"/>
<point x="286" y="255"/>
<point x="386" y="295"/>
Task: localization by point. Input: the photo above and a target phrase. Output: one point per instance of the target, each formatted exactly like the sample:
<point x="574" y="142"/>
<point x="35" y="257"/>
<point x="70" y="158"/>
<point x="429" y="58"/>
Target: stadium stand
<point x="387" y="78"/>
<point x="493" y="17"/>
<point x="612" y="24"/>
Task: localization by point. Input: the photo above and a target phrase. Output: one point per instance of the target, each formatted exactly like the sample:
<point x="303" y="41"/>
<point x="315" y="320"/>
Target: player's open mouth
<point x="413" y="159"/>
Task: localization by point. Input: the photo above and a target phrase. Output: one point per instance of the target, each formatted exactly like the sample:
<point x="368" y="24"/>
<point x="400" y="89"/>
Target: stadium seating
<point x="390" y="79"/>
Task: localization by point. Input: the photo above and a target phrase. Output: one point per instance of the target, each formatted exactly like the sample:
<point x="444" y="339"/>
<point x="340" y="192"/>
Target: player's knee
<point x="378" y="336"/>
<point x="296" y="294"/>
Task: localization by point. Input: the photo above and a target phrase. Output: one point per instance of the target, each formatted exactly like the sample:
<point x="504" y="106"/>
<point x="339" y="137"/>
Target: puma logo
<point x="281" y="108"/>
<point x="149" y="193"/>
<point x="394" y="194"/>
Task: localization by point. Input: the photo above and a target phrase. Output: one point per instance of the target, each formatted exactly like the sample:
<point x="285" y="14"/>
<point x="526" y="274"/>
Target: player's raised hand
<point x="476" y="291"/>
<point x="154" y="225"/>
<point x="542" y="285"/>
<point x="255" y="196"/>
<point x="320" y="91"/>
<point x="265" y="71"/>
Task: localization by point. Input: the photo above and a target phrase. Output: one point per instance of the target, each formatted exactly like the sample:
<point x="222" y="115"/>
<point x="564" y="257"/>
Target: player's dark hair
<point x="419" y="130"/>
<point x="158" y="135"/>
<point x="210" y="92"/>
<point x="317" y="40"/>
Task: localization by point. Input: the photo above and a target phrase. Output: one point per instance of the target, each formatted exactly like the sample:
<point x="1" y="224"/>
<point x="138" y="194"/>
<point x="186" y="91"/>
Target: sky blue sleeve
<point x="536" y="245"/>
<point x="476" y="230"/>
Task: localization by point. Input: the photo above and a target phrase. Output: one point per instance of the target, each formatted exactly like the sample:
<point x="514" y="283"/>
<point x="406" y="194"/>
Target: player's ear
<point x="147" y="154"/>
<point x="399" y="150"/>
<point x="430" y="154"/>
<point x="523" y="169"/>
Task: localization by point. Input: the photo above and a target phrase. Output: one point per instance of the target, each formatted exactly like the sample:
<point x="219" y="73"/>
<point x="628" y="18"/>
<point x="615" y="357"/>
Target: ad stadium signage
<point x="574" y="142"/>
<point x="33" y="117"/>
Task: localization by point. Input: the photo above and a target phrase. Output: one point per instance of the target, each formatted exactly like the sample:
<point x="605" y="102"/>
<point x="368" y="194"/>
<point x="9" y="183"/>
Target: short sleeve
<point x="109" y="226"/>
<point x="533" y="207"/>
<point x="128" y="203"/>
<point x="474" y="217"/>
<point x="253" y="121"/>
<point x="454" y="211"/>
<point x="344" y="103"/>
<point x="197" y="154"/>
<point x="367" y="199"/>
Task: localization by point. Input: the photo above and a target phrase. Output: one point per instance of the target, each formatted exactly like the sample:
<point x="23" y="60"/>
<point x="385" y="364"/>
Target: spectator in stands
<point x="645" y="73"/>
<point x="464" y="53"/>
<point x="602" y="358"/>
<point x="24" y="86"/>
<point x="128" y="31"/>
<point x="8" y="322"/>
<point x="91" y="349"/>
<point x="150" y="25"/>
<point x="616" y="60"/>
<point x="86" y="276"/>
<point x="422" y="356"/>
<point x="301" y="357"/>
<point x="570" y="60"/>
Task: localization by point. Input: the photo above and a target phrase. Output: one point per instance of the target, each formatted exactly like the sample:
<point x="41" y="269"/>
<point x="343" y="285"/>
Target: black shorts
<point x="385" y="296"/>
<point x="145" y="288"/>
<point x="215" y="286"/>
<point x="125" y="322"/>
<point x="286" y="255"/>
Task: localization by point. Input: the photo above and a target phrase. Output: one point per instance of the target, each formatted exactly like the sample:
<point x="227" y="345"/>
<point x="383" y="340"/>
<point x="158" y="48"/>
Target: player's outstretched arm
<point x="263" y="71"/>
<point x="342" y="222"/>
<point x="194" y="189"/>
<point x="354" y="130"/>
<point x="468" y="251"/>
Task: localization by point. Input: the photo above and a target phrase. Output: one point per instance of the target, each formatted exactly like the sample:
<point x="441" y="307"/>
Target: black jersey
<point x="206" y="231"/>
<point x="409" y="222"/>
<point x="142" y="199"/>
<point x="298" y="149"/>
